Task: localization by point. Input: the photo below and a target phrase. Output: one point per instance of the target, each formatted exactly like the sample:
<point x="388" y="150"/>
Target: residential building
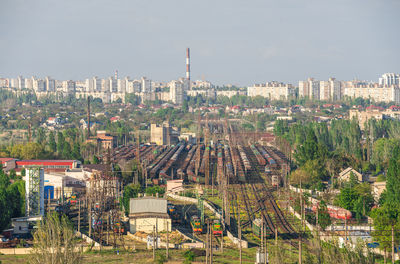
<point x="146" y="85"/>
<point x="346" y="174"/>
<point x="38" y="85"/>
<point x="374" y="92"/>
<point x="68" y="87"/>
<point x="271" y="90"/>
<point x="309" y="89"/>
<point x="177" y="91"/>
<point x="50" y="84"/>
<point x="389" y="79"/>
<point x="21" y="82"/>
<point x="377" y="189"/>
<point x="330" y="90"/>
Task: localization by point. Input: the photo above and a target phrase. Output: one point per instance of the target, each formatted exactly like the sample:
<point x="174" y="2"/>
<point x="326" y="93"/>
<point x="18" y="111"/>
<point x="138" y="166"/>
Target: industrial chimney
<point x="188" y="64"/>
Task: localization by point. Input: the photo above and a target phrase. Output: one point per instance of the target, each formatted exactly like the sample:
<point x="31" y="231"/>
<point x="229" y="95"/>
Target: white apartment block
<point x="271" y="90"/>
<point x="374" y="92"/>
<point x="38" y="85"/>
<point x="80" y="86"/>
<point x="68" y="86"/>
<point x="177" y="91"/>
<point x="50" y="84"/>
<point x="122" y="85"/>
<point x="134" y="86"/>
<point x="21" y="82"/>
<point x="93" y="85"/>
<point x="201" y="84"/>
<point x="330" y="90"/>
<point x="146" y="85"/>
<point x="309" y="89"/>
<point x="4" y="82"/>
<point x="389" y="79"/>
<point x="112" y="84"/>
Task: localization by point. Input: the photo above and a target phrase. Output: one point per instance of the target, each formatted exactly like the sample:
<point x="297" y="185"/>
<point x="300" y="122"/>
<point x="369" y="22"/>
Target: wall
<point x="146" y="224"/>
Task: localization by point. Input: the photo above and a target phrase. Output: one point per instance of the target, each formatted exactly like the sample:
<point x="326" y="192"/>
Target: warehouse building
<point x="148" y="213"/>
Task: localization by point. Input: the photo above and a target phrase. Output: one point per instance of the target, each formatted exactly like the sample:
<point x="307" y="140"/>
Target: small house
<point x="345" y="175"/>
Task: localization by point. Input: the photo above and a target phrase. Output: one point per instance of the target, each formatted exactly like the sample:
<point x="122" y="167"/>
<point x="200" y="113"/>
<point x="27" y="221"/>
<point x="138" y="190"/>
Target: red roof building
<point x="49" y="164"/>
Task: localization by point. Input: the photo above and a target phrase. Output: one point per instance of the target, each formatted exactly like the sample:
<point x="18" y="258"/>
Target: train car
<point x="119" y="228"/>
<point x="217" y="228"/>
<point x="335" y="212"/>
<point x="275" y="180"/>
<point x="72" y="200"/>
<point x="260" y="159"/>
<point x="196" y="225"/>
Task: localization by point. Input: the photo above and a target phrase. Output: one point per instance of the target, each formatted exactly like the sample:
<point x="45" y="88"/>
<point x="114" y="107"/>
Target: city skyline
<point x="286" y="41"/>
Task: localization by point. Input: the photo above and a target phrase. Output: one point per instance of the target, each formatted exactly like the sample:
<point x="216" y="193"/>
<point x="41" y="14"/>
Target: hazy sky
<point x="231" y="41"/>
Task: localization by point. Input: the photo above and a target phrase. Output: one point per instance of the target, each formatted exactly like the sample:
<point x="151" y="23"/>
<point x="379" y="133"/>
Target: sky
<point x="238" y="42"/>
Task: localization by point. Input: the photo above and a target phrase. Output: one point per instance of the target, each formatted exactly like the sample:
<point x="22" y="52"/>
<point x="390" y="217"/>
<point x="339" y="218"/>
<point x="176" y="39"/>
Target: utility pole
<point x="392" y="244"/>
<point x="90" y="216"/>
<point x="167" y="241"/>
<point x="211" y="253"/>
<point x="300" y="253"/>
<point x="79" y="215"/>
<point x="208" y="232"/>
<point x="154" y="248"/>
<point x="240" y="238"/>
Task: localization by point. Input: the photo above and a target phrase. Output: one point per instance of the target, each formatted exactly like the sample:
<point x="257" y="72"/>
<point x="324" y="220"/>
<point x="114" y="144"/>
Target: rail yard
<point x="242" y="174"/>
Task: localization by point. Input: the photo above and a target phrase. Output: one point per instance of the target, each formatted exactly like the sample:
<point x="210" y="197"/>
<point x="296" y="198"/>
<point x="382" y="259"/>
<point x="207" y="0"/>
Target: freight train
<point x="260" y="159"/>
<point x="335" y="212"/>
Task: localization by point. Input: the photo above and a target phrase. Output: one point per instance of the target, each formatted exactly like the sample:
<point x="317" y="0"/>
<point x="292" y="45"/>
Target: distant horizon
<point x="231" y="42"/>
<point x="217" y="84"/>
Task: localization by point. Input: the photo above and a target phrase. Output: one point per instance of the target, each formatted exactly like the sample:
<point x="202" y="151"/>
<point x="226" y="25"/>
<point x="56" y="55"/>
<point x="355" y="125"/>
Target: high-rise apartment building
<point x="309" y="89"/>
<point x="112" y="85"/>
<point x="330" y="90"/>
<point x="389" y="79"/>
<point x="146" y="85"/>
<point x="68" y="86"/>
<point x="177" y="91"/>
<point x="50" y="84"/>
<point x="21" y="82"/>
<point x="38" y="85"/>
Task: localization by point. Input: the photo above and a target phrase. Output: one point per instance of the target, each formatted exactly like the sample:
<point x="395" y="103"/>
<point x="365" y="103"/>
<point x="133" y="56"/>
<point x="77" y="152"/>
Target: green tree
<point x="60" y="143"/>
<point x="41" y="135"/>
<point x="52" y="142"/>
<point x="55" y="242"/>
<point x="154" y="190"/>
<point x="324" y="218"/>
<point x="130" y="191"/>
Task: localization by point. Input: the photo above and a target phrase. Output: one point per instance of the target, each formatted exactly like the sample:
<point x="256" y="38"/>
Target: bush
<point x="161" y="258"/>
<point x="189" y="256"/>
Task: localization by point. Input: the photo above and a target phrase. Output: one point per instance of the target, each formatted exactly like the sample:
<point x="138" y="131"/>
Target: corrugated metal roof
<point x="147" y="205"/>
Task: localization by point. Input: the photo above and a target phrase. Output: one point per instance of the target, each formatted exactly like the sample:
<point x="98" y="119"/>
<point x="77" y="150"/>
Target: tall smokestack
<point x="188" y="64"/>
<point x="88" y="117"/>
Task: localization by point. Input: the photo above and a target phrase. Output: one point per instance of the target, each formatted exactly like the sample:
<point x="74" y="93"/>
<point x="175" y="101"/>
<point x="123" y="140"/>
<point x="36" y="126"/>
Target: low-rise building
<point x="163" y="134"/>
<point x="346" y="174"/>
<point x="147" y="214"/>
<point x="271" y="90"/>
<point x="377" y="189"/>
